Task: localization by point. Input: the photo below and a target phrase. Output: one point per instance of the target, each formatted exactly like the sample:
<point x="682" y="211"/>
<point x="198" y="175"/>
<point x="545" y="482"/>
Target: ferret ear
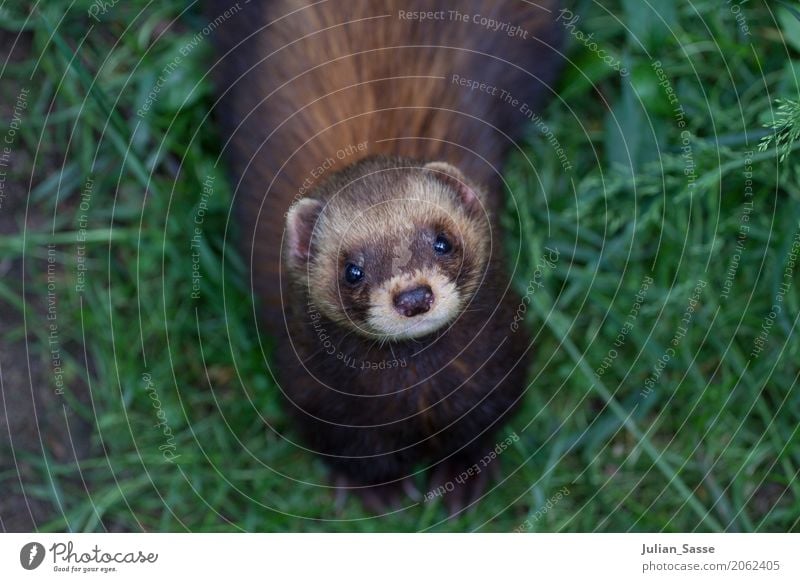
<point x="453" y="177"/>
<point x="300" y="222"/>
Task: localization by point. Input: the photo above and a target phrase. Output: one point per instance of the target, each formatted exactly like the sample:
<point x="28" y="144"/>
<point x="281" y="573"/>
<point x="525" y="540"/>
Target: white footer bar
<point x="401" y="557"/>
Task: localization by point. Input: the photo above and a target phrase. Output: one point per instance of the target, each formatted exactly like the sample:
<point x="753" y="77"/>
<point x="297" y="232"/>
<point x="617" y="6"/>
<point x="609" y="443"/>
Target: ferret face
<point x="393" y="254"/>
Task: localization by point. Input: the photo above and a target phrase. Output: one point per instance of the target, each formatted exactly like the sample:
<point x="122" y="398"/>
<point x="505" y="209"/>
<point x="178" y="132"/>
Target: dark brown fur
<point x="297" y="85"/>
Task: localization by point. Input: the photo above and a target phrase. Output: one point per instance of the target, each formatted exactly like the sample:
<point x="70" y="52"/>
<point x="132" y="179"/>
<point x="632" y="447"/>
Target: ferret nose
<point x="414" y="301"/>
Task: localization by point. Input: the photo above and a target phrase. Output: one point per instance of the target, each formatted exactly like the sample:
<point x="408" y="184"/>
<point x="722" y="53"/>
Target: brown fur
<point x="300" y="84"/>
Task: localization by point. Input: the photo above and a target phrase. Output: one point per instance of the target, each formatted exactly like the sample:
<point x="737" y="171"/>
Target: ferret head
<point x="390" y="248"/>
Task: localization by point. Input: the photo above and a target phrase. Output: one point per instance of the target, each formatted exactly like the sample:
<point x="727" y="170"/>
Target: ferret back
<point x="310" y="88"/>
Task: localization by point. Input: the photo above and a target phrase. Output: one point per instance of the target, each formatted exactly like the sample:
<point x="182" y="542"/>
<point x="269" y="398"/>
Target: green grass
<point x="713" y="446"/>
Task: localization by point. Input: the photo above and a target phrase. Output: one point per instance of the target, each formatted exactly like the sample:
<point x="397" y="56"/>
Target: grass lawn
<point x="660" y="250"/>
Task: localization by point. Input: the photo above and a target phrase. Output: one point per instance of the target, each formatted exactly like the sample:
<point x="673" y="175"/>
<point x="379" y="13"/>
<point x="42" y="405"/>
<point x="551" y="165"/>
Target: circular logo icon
<point x="31" y="555"/>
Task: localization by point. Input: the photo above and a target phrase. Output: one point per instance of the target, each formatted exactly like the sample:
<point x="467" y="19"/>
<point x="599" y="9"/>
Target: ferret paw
<point x="459" y="483"/>
<point x="377" y="499"/>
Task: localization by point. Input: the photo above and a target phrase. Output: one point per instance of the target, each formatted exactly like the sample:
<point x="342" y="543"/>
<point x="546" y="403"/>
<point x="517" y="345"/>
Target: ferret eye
<point x="353" y="273"/>
<point x="442" y="246"/>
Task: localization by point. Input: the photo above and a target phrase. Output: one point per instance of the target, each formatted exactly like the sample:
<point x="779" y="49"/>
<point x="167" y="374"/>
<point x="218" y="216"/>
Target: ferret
<point x="365" y="140"/>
